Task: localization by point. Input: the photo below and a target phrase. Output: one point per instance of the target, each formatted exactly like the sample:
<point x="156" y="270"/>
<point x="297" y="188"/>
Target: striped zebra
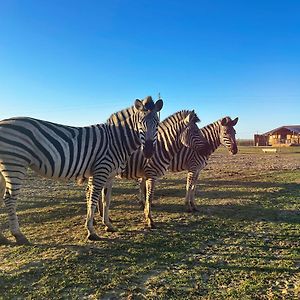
<point x="73" y="153"/>
<point x="175" y="131"/>
<point x="221" y="132"/>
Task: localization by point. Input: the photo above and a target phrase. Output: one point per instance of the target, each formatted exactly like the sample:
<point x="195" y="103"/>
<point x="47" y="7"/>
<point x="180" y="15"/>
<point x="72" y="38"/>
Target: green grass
<point x="243" y="244"/>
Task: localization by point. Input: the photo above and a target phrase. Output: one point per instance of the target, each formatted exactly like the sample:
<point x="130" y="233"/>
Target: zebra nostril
<point x="234" y="149"/>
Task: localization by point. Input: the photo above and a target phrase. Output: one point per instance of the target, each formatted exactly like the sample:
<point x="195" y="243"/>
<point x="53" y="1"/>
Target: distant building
<point x="281" y="136"/>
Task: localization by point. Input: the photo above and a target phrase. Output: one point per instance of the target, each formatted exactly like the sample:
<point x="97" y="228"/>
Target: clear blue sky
<point x="76" y="62"/>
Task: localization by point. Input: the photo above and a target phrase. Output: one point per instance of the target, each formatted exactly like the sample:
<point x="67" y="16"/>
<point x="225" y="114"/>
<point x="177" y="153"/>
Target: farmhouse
<point x="281" y="136"/>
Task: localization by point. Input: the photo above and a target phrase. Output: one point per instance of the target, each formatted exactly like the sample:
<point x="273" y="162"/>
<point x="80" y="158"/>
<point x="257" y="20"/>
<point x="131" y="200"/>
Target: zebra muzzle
<point x="234" y="149"/>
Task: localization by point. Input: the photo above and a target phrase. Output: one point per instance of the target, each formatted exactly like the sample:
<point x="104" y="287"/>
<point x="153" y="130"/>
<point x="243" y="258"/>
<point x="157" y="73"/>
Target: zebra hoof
<point x="110" y="229"/>
<point x="4" y="240"/>
<point x="195" y="209"/>
<point x="152" y="226"/>
<point x="22" y="240"/>
<point x="93" y="237"/>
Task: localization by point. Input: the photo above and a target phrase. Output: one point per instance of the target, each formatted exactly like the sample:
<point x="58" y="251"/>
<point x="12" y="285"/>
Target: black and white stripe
<point x="175" y="131"/>
<point x="64" y="152"/>
<point x="187" y="159"/>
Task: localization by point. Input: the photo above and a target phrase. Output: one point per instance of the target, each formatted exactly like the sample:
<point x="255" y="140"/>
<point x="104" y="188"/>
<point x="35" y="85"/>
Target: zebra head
<point x="147" y="123"/>
<point x="191" y="137"/>
<point x="227" y="134"/>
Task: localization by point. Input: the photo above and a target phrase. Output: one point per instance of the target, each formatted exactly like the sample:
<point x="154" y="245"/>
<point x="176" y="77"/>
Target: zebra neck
<point x="168" y="139"/>
<point x="124" y="139"/>
<point x="211" y="133"/>
<point x="122" y="116"/>
<point x="125" y="133"/>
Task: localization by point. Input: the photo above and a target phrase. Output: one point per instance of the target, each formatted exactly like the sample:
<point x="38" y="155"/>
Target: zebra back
<point x="52" y="150"/>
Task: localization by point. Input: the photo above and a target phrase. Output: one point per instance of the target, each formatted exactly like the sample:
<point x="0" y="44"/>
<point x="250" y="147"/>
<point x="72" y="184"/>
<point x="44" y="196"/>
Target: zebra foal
<point x="73" y="153"/>
<point x="221" y="132"/>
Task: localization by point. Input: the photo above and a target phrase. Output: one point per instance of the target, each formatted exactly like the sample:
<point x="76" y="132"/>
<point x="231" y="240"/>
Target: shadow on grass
<point x="172" y="185"/>
<point x="268" y="203"/>
<point x="246" y="212"/>
<point x="61" y="209"/>
<point x="125" y="259"/>
<point x="71" y="206"/>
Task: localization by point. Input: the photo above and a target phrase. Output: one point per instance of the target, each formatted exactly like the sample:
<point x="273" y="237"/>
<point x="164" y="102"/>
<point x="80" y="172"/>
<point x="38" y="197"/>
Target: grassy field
<point x="243" y="244"/>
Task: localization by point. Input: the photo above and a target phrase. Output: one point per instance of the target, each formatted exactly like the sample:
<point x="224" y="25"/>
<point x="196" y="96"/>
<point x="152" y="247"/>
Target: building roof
<point x="293" y="128"/>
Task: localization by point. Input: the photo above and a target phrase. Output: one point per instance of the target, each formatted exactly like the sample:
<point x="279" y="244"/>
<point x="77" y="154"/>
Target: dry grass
<point x="243" y="244"/>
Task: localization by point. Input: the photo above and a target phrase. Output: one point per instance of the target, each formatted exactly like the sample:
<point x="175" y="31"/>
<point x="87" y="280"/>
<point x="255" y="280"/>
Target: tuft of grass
<point x="243" y="244"/>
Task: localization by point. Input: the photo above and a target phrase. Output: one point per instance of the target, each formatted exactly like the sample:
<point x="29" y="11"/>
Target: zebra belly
<point x="41" y="171"/>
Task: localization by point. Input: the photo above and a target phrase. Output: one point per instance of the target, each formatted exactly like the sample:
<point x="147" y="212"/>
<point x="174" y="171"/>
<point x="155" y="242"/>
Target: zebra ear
<point x="159" y="105"/>
<point x="189" y="118"/>
<point x="196" y="118"/>
<point x="224" y="121"/>
<point x="233" y="123"/>
<point x="138" y="104"/>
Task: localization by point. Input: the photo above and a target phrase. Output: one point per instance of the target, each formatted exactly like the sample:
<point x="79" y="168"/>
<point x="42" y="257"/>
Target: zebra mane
<point x="178" y="116"/>
<point x="124" y="114"/>
<point x="211" y="127"/>
<point x="216" y="123"/>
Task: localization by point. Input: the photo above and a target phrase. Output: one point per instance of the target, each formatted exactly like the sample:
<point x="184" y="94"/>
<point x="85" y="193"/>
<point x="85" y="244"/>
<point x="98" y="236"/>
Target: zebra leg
<point x="190" y="191"/>
<point x="10" y="201"/>
<point x="106" y="197"/>
<point x="193" y="204"/>
<point x="99" y="202"/>
<point x="88" y="195"/>
<point x="142" y="186"/>
<point x="3" y="239"/>
<point x="13" y="181"/>
<point x="150" y="184"/>
<point x="192" y="199"/>
<point x="92" y="196"/>
<point x="100" y="207"/>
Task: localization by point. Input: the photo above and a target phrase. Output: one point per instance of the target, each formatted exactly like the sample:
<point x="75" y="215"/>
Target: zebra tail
<point x="2" y="186"/>
<point x="81" y="181"/>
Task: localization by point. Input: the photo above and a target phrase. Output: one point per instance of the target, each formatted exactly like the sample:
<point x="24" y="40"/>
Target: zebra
<point x="169" y="141"/>
<point x="187" y="159"/>
<point x="73" y="153"/>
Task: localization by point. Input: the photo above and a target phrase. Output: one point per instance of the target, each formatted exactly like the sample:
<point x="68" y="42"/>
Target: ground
<point x="243" y="244"/>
